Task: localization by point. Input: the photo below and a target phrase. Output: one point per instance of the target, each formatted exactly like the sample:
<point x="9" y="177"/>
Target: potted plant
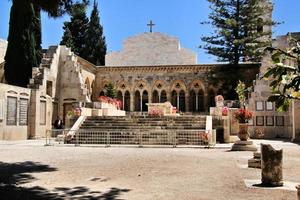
<point x="243" y="115"/>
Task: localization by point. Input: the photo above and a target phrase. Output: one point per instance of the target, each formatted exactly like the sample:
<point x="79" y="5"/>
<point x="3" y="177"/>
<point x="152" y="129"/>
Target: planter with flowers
<point x="243" y="116"/>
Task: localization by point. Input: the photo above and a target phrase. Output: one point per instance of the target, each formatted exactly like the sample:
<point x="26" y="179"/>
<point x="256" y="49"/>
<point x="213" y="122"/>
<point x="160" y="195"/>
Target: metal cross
<point x="151" y="25"/>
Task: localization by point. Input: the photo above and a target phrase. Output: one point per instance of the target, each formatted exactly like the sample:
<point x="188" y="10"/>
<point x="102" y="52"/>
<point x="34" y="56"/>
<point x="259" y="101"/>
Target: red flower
<point x="243" y="115"/>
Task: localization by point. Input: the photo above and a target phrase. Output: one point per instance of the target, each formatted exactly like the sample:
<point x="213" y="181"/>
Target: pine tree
<point x="67" y="38"/>
<point x="110" y="90"/>
<point x="75" y="30"/>
<point x="95" y="45"/>
<point x="24" y="38"/>
<point x="239" y="33"/>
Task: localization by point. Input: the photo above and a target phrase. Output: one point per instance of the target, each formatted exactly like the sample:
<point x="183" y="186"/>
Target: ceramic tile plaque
<point x="42" y="112"/>
<point x="259" y="106"/>
<point x="11" y="117"/>
<point x="269" y="120"/>
<point x="269" y="106"/>
<point x="260" y="120"/>
<point x="23" y="112"/>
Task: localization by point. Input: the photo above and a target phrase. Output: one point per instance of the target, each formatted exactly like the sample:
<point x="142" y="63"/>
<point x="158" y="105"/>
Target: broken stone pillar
<point x="271" y="166"/>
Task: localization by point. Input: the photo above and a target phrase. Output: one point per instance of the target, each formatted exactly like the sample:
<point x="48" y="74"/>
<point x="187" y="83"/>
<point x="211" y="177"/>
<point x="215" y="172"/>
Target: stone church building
<point x="151" y="67"/>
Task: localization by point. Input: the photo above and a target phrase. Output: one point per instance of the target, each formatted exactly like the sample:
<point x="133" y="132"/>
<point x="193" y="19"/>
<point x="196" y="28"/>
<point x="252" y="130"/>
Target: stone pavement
<point x="30" y="169"/>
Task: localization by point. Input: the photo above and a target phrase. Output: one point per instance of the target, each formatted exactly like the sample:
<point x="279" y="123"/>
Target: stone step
<point x="142" y="127"/>
<point x="254" y="163"/>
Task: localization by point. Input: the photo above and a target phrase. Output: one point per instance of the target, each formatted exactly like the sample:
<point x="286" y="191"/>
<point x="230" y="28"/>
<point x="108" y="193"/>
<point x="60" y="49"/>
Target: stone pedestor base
<point x="255" y="162"/>
<point x="243" y="146"/>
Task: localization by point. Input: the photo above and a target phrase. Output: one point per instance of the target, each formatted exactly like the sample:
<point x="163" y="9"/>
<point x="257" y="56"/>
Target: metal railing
<point x="139" y="138"/>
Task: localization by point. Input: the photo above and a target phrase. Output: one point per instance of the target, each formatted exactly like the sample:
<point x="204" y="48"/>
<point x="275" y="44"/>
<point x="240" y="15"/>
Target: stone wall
<point x="13" y="127"/>
<point x="148" y="49"/>
<point x="3" y="46"/>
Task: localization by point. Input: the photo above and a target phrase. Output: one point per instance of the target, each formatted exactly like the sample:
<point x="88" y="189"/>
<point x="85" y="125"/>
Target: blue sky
<point x="124" y="18"/>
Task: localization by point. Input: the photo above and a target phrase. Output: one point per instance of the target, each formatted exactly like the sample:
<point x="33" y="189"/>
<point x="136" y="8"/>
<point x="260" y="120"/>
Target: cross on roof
<point x="151" y="25"/>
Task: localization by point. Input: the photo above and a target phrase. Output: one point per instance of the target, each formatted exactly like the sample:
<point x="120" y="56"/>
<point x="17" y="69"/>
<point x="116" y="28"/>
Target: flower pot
<point x="243" y="133"/>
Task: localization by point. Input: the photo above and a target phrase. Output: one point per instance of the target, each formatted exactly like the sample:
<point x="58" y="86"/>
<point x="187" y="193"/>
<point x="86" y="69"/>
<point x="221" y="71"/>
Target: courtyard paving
<point x="30" y="170"/>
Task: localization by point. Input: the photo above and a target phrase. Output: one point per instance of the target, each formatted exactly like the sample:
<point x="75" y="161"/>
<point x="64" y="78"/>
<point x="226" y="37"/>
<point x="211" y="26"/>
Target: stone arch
<point x="127" y="101"/>
<point x="158" y="85"/>
<point x="123" y="86"/>
<point x="211" y="97"/>
<point x="196" y="85"/>
<point x="192" y="101"/>
<point x="174" y="98"/>
<point x="141" y="85"/>
<point x="178" y="85"/>
<point x="201" y="102"/>
<point x="102" y="93"/>
<point x="163" y="96"/>
<point x="137" y="101"/>
<point x="155" y="96"/>
<point x="145" y="100"/>
<point x="119" y="95"/>
<point x="182" y="101"/>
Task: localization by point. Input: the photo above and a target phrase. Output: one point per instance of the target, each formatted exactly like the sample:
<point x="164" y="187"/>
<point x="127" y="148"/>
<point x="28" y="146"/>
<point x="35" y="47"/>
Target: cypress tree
<point x="239" y="33"/>
<point x="75" y="30"/>
<point x="95" y="45"/>
<point x="21" y="54"/>
<point x="24" y="39"/>
<point x="110" y="90"/>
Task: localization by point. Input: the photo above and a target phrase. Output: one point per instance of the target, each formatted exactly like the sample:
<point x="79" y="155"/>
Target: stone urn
<point x="243" y="133"/>
<point x="298" y="191"/>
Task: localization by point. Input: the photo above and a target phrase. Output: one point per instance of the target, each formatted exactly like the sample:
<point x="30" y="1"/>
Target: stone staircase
<point x="142" y="123"/>
<point x="38" y="73"/>
<point x="142" y="130"/>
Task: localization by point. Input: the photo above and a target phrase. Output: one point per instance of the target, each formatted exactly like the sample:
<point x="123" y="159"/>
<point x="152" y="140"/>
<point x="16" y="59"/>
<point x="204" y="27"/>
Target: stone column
<point x="178" y="102"/>
<point x="169" y="96"/>
<point x="271" y="166"/>
<point x="159" y="98"/>
<point x="141" y="103"/>
<point x="131" y="102"/>
<point x="123" y="101"/>
<point x="197" y="106"/>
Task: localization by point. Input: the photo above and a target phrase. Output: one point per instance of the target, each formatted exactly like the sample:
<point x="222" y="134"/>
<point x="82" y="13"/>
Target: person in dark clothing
<point x="58" y="124"/>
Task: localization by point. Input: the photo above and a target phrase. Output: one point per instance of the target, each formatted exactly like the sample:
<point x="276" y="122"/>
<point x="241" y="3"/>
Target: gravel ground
<point x="29" y="170"/>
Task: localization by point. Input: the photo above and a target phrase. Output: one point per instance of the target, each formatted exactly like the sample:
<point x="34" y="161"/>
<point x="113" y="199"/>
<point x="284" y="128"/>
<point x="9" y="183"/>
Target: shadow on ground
<point x="12" y="175"/>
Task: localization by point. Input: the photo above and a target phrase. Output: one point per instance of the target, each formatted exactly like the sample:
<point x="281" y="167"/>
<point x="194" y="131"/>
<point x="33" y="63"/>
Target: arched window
<point x="127" y="101"/>
<point x="137" y="101"/>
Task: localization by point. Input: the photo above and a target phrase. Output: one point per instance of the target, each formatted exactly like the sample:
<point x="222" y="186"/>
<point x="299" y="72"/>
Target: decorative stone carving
<point x="271" y="166"/>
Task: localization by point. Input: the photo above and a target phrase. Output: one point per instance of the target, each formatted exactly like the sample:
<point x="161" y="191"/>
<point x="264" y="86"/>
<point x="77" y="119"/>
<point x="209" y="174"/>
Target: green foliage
<point x="240" y="90"/>
<point x="24" y="39"/>
<point x="239" y="35"/>
<point x="284" y="75"/>
<point x="110" y="90"/>
<point x="227" y="77"/>
<point x="23" y="48"/>
<point x="95" y="45"/>
<point x="75" y="29"/>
